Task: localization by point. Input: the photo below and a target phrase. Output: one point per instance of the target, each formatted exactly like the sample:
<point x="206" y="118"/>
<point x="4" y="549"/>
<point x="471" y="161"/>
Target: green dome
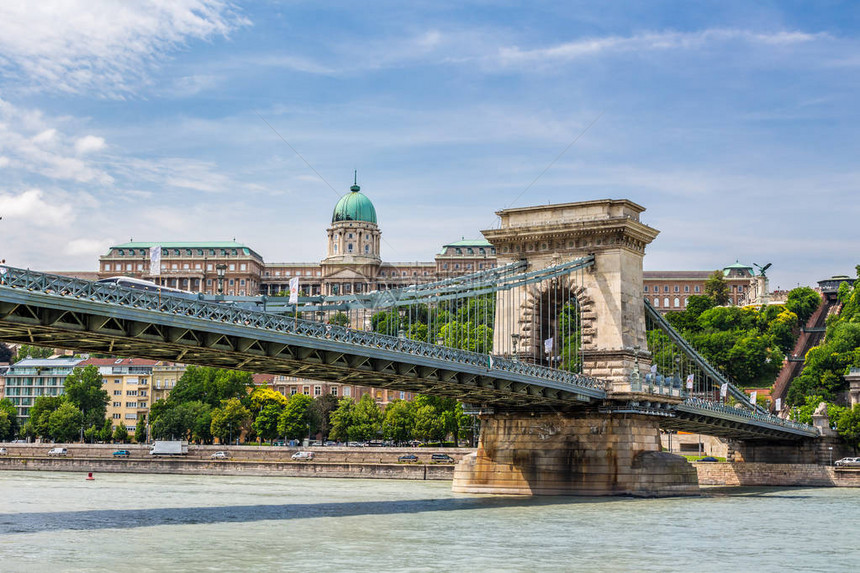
<point x="355" y="206"/>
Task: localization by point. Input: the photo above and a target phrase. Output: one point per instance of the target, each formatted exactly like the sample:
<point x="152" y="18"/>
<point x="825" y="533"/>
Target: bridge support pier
<point x="587" y="453"/>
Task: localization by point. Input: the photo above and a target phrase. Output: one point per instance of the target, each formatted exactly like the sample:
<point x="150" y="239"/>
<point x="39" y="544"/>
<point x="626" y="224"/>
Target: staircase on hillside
<point x="811" y="335"/>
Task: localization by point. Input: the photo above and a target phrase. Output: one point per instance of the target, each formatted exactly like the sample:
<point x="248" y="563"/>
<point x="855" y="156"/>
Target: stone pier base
<point x="573" y="454"/>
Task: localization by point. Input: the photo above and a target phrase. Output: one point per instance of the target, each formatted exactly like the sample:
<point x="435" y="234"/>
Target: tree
<point x="6" y="354"/>
<point x="263" y="396"/>
<point x="339" y="319"/>
<point x="5" y="426"/>
<point x="295" y="419"/>
<point x="230" y="420"/>
<point x="105" y="433"/>
<point x="717" y="289"/>
<point x="83" y="389"/>
<point x="188" y="420"/>
<point x="341" y="419"/>
<point x="803" y="301"/>
<point x="40" y="413"/>
<point x="399" y="422"/>
<point x="65" y="423"/>
<point x="848" y="426"/>
<point x="428" y="424"/>
<point x="211" y="386"/>
<point x="140" y="430"/>
<point x="366" y="420"/>
<point x="320" y="414"/>
<point x="120" y="435"/>
<point x="28" y="351"/>
<point x="266" y="423"/>
<point x="7" y="407"/>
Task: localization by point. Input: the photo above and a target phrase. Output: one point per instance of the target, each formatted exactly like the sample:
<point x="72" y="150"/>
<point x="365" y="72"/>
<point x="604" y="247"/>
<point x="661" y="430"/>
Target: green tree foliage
<point x="428" y="423"/>
<point x="105" y="433"/>
<point x="8" y="409"/>
<point x="366" y="420"/>
<point x="717" y="289"/>
<point x="320" y="414"/>
<point x="803" y="301"/>
<point x="140" y="430"/>
<point x="120" y="435"/>
<point x="295" y="419"/>
<point x="28" y="351"/>
<point x="40" y="413"/>
<point x="398" y="423"/>
<point x="83" y="389"/>
<point x="184" y="421"/>
<point x="263" y="396"/>
<point x="848" y="425"/>
<point x="230" y="420"/>
<point x="339" y="319"/>
<point x="65" y="423"/>
<point x="341" y="419"/>
<point x="6" y="354"/>
<point x="265" y="425"/>
<point x="211" y="386"/>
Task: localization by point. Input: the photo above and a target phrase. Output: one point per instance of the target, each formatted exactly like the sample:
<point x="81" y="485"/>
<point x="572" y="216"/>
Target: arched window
<point x="334" y="247"/>
<point x="666" y="301"/>
<point x="656" y="302"/>
<point x="677" y="302"/>
<point x="349" y="247"/>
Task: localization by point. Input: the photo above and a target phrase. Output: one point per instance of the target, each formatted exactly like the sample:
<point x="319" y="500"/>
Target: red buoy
<point x="90" y="476"/>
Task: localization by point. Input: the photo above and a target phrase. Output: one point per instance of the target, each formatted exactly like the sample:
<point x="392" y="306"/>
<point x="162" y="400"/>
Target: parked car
<point x="408" y="459"/>
<point x="58" y="452"/>
<point x="3" y="452"/>
<point x="847" y="463"/>
<point x="441" y="459"/>
<point x="302" y="456"/>
<point x="278" y="443"/>
<point x="121" y="454"/>
<point x="330" y="443"/>
<point x="707" y="459"/>
<point x="221" y="456"/>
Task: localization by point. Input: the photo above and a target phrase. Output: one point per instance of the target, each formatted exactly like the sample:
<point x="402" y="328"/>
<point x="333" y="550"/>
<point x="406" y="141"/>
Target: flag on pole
<point x="294" y="290"/>
<point x="690" y="382"/>
<point x="653" y="369"/>
<point x="724" y="390"/>
<point x="753" y="397"/>
<point x="547" y="345"/>
<point x="778" y="404"/>
<point x="155" y="260"/>
<point x="490" y="362"/>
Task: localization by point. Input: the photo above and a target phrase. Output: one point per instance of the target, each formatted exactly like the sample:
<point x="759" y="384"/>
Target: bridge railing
<point x="191" y="306"/>
<point x="744" y="413"/>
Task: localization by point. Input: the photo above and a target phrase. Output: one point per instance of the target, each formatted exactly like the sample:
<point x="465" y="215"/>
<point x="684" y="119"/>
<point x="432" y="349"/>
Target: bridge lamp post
<point x="515" y="340"/>
<point x="401" y="333"/>
<point x="220" y="269"/>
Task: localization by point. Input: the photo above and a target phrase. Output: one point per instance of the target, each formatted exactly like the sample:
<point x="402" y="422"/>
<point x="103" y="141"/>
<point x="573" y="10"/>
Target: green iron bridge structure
<point x="62" y="312"/>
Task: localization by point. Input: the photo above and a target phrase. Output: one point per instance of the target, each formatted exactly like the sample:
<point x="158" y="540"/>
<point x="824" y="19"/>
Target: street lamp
<point x="220" y="268"/>
<point x="515" y="340"/>
<point x="440" y="340"/>
<point x="401" y="333"/>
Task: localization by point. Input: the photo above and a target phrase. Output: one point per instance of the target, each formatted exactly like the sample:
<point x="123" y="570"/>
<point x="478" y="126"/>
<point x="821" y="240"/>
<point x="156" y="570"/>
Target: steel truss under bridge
<point x="62" y="312"/>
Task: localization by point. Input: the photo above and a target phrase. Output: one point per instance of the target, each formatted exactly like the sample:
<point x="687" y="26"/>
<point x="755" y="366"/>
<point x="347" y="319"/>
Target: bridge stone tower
<point x="591" y="450"/>
<point x="610" y="297"/>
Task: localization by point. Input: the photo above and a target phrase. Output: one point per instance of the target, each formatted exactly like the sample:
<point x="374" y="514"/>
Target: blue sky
<point x="734" y="123"/>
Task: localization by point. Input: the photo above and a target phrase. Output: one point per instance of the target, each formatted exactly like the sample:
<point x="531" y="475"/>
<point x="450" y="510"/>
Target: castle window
<point x="349" y="247"/>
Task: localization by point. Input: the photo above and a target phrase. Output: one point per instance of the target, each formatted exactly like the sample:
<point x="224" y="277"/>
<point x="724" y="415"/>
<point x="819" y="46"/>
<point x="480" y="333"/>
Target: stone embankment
<point x="337" y="462"/>
<point x="762" y="474"/>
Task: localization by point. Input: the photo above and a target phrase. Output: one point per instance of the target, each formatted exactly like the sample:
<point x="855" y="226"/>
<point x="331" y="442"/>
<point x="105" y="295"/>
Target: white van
<point x="58" y="452"/>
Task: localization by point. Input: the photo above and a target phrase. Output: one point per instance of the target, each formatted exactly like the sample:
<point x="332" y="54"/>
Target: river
<point x="54" y="522"/>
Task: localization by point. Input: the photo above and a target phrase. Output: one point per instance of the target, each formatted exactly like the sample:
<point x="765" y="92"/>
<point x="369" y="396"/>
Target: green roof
<point x="737" y="266"/>
<point x="354" y="206"/>
<point x="188" y="245"/>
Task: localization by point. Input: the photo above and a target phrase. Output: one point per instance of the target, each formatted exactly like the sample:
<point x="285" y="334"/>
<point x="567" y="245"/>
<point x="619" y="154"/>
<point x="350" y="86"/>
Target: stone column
<point x="610" y="297"/>
<point x="587" y="453"/>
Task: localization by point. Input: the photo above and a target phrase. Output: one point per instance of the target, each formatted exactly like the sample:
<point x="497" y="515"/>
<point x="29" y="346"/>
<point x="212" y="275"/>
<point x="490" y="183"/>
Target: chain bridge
<point x="572" y="372"/>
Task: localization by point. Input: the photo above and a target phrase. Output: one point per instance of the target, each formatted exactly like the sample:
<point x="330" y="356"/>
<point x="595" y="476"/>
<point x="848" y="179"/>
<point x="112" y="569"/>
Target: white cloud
<point x="649" y="42"/>
<point x="104" y="45"/>
<point x="88" y="144"/>
<point x="87" y="247"/>
<point x="32" y="208"/>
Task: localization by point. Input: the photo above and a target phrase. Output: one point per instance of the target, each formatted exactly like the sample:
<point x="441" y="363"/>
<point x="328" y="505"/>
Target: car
<point x="408" y="459"/>
<point x="441" y="459"/>
<point x="330" y="443"/>
<point x="221" y="456"/>
<point x="847" y="463"/>
<point x="3" y="452"/>
<point x="708" y="459"/>
<point x="58" y="452"/>
<point x="302" y="456"/>
<point x="278" y="443"/>
<point x="121" y="454"/>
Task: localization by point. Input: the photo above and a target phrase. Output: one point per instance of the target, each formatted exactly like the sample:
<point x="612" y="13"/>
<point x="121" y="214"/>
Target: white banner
<point x="294" y="290"/>
<point x="155" y="260"/>
<point x="690" y="382"/>
<point x="724" y="390"/>
<point x="753" y="397"/>
<point x="778" y="405"/>
<point x="547" y="345"/>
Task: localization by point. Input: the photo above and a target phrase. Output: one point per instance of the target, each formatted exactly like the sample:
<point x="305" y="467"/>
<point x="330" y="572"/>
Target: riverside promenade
<point x="362" y="462"/>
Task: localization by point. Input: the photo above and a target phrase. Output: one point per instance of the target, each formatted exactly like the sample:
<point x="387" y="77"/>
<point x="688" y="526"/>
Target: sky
<point x="733" y="123"/>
